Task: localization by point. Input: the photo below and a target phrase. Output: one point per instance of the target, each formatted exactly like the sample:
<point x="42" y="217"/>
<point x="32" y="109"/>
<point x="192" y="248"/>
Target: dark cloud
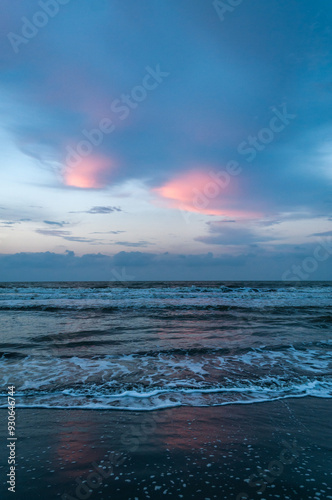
<point x="258" y="265"/>
<point x="134" y="244"/>
<point x="12" y="223"/>
<point x="8" y="223"/>
<point x="99" y="210"/>
<point x="108" y="232"/>
<point x="54" y="223"/>
<point x="53" y="232"/>
<point x="103" y="210"/>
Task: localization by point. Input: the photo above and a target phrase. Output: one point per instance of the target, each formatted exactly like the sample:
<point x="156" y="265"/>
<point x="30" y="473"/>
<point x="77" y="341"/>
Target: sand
<point x="269" y="450"/>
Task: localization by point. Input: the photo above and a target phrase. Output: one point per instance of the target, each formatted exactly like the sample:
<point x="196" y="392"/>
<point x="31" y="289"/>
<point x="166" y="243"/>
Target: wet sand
<point x="270" y="450"/>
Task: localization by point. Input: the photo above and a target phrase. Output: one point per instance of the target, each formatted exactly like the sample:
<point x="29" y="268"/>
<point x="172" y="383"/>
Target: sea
<point x="142" y="346"/>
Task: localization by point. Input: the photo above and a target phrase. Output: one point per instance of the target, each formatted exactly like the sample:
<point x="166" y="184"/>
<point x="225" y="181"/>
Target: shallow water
<point x="143" y="346"/>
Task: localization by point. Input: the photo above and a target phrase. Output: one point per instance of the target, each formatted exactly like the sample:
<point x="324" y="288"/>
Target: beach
<point x="155" y="390"/>
<point x="183" y="452"/>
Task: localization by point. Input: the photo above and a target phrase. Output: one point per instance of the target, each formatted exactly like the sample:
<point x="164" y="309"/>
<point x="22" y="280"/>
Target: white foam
<point x="167" y="397"/>
<point x="122" y="297"/>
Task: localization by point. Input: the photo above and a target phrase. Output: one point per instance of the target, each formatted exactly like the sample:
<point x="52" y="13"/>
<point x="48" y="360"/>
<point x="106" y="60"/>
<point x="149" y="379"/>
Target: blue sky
<point x="166" y="140"/>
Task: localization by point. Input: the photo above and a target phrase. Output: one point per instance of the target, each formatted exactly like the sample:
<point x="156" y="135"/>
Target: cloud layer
<point x="138" y="266"/>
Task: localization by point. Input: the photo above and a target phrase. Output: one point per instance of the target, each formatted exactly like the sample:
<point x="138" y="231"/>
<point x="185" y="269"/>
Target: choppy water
<point x="144" y="346"/>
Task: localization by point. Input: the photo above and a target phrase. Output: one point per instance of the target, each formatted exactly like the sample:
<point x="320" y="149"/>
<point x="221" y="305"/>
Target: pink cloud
<point x="90" y="173"/>
<point x="203" y="192"/>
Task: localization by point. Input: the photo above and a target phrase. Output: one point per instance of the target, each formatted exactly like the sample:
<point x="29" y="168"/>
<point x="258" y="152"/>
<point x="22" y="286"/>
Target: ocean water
<point x="144" y="346"/>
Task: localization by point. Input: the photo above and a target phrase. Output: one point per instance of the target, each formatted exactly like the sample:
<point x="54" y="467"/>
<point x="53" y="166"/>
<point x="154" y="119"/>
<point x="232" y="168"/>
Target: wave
<point x="151" y="380"/>
<point x="235" y="352"/>
<point x="170" y="398"/>
<point x="284" y="309"/>
<point x="166" y="284"/>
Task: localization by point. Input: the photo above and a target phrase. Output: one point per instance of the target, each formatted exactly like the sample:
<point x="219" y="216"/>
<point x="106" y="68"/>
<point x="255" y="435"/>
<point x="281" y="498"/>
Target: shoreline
<point x="166" y="408"/>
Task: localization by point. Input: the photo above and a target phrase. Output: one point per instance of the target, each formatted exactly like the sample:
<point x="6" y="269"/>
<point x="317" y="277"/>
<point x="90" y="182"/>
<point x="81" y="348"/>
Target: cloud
<point x="108" y="232"/>
<point x="98" y="210"/>
<point x="326" y="233"/>
<point x="295" y="216"/>
<point x="9" y="223"/>
<point x="12" y="223"/>
<point x="103" y="210"/>
<point x="92" y="172"/>
<point x="81" y="239"/>
<point x="225" y="235"/>
<point x="66" y="235"/>
<point x="54" y="223"/>
<point x="133" y="244"/>
<point x="53" y="232"/>
<point x="202" y="192"/>
<point x="258" y="265"/>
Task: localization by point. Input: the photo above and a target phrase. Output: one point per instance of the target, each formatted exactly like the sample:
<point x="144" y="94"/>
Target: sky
<point x="156" y="140"/>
